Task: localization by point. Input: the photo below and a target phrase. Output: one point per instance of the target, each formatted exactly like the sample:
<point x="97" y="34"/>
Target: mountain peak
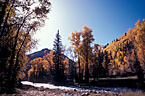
<point x="38" y="53"/>
<point x="45" y="49"/>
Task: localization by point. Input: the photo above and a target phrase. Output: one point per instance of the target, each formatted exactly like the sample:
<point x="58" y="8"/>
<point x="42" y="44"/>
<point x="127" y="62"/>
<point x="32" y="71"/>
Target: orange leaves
<point x="125" y="59"/>
<point x="75" y="39"/>
<point x="140" y="42"/>
<point x="30" y="71"/>
<point x="87" y="34"/>
<point x="38" y="65"/>
<point x="49" y="57"/>
<point x="45" y="65"/>
<point x="81" y="43"/>
<point x="118" y="54"/>
<point x="66" y="65"/>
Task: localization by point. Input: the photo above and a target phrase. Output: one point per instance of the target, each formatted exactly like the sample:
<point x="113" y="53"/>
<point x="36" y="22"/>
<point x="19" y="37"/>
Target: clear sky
<point x="109" y="19"/>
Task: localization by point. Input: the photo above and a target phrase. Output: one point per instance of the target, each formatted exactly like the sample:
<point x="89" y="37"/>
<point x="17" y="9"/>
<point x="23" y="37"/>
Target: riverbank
<point x="34" y="91"/>
<point x="30" y="90"/>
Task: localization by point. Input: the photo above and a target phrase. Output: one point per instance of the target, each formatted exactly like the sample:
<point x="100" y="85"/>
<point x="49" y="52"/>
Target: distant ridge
<point x="122" y="40"/>
<point x="38" y="54"/>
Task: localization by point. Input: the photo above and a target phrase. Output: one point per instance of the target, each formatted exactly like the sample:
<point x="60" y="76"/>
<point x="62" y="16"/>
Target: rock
<point x="41" y="88"/>
<point x="75" y="90"/>
<point x="91" y="91"/>
<point x="85" y="94"/>
<point x="95" y="92"/>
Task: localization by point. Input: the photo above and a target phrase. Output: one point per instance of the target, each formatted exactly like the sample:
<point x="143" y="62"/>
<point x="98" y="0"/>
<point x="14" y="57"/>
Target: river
<point x="84" y="88"/>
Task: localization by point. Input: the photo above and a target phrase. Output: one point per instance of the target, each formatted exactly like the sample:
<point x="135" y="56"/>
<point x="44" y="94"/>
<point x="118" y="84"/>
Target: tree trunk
<point x="86" y="68"/>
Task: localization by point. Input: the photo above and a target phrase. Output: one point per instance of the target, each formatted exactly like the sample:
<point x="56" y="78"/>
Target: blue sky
<point x="109" y="19"/>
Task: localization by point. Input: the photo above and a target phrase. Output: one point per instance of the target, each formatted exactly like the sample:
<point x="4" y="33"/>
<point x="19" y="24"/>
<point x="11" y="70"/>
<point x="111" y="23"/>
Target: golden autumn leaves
<point x="18" y="22"/>
<point x="45" y="65"/>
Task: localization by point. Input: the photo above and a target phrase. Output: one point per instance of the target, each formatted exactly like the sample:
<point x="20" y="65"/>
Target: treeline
<point x="19" y="20"/>
<point x="123" y="58"/>
<point x="54" y="66"/>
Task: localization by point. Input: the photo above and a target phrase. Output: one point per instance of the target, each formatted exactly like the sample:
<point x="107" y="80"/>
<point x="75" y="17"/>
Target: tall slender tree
<point x="58" y="59"/>
<point x="86" y="50"/>
<point x="75" y="41"/>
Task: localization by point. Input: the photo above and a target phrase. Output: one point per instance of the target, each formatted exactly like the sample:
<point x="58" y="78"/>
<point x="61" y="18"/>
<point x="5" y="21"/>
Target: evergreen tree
<point x="105" y="63"/>
<point x="58" y="60"/>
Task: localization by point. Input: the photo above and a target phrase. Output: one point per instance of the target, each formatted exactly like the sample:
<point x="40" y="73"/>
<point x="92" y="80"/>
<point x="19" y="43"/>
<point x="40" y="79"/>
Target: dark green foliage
<point x="105" y="63"/>
<point x="57" y="59"/>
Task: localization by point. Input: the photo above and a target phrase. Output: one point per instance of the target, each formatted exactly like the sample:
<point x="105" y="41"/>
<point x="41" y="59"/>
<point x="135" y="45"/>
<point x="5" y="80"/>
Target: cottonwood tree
<point x="83" y="51"/>
<point x="86" y="50"/>
<point x="75" y="41"/>
<point x="49" y="57"/>
<point x="39" y="69"/>
<point x="19" y="19"/>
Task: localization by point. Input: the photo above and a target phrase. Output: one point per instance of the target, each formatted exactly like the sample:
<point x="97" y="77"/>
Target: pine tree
<point x="59" y="76"/>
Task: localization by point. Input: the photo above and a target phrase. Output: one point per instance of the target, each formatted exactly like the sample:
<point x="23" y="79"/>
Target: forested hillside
<point x="122" y="54"/>
<point x="40" y="66"/>
<point x="124" y="51"/>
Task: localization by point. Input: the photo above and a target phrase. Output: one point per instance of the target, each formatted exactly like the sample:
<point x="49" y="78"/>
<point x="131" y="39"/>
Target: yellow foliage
<point x="45" y="65"/>
<point x="125" y="59"/>
<point x="118" y="54"/>
<point x="121" y="68"/>
<point x="66" y="65"/>
<point x="49" y="57"/>
<point x="30" y="71"/>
